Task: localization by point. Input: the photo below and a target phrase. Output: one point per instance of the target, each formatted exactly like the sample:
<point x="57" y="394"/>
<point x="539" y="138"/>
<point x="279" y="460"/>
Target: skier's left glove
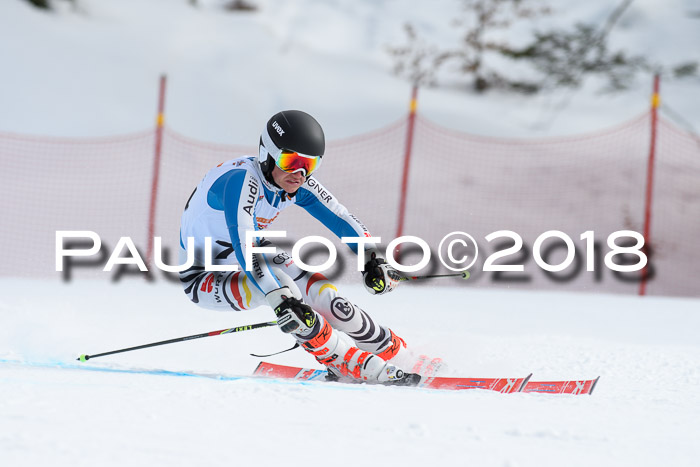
<point x="293" y="315"/>
<point x="379" y="277"/>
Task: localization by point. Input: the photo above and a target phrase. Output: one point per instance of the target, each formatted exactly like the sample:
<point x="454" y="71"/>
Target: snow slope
<point x="644" y="411"/>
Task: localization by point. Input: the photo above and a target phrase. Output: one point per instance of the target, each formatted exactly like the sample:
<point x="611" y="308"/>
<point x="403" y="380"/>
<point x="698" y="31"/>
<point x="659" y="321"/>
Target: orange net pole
<point x="650" y="181"/>
<point x="160" y="120"/>
<point x="406" y="167"/>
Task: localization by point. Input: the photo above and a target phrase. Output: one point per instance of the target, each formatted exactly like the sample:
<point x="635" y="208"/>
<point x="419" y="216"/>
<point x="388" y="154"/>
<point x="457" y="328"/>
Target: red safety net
<point x="458" y="182"/>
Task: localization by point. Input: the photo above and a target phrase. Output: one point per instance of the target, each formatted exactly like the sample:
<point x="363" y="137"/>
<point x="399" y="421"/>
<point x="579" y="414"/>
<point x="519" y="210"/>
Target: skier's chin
<point x="291" y="187"/>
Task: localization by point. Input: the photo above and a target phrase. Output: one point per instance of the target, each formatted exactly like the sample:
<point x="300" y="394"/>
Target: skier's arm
<point x="240" y="193"/>
<point x="378" y="276"/>
<point x="322" y="205"/>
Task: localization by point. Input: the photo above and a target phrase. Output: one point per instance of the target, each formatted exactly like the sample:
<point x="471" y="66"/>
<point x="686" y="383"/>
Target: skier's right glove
<point x="293" y="315"/>
<point x="379" y="277"/>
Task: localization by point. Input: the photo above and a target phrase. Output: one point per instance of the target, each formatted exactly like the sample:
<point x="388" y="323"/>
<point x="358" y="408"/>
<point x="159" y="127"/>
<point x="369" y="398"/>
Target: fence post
<point x="655" y="100"/>
<point x="406" y="166"/>
<point x="160" y="120"/>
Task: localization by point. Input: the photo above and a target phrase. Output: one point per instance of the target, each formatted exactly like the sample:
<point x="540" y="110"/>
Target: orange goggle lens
<point x="292" y="162"/>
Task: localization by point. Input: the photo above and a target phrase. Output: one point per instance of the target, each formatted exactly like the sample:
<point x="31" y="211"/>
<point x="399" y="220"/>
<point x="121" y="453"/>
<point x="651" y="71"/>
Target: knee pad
<point x="357" y="324"/>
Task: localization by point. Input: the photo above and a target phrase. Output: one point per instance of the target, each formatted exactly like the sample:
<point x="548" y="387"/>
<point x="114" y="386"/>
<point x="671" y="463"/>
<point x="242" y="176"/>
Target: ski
<point x="282" y="372"/>
<point x="425" y="366"/>
<point x="562" y="387"/>
<point x="503" y="385"/>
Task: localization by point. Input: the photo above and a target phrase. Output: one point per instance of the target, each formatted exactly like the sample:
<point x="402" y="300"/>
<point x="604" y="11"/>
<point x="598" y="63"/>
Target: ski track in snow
<point x="644" y="411"/>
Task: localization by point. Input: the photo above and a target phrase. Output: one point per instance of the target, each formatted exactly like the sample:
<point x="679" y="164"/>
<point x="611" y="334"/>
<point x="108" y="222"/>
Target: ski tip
<point x="465" y="275"/>
<point x="257" y="368"/>
<point x="525" y="381"/>
<point x="593" y="385"/>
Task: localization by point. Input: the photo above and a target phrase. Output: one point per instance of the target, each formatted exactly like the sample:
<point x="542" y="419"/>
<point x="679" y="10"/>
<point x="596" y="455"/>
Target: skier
<point x="247" y="194"/>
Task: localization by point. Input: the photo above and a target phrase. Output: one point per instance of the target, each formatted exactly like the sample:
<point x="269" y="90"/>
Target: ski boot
<point x="317" y="337"/>
<point x="347" y="362"/>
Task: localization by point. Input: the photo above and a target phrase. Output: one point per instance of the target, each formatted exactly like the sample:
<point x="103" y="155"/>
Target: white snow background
<point x="94" y="71"/>
<point x="643" y="412"/>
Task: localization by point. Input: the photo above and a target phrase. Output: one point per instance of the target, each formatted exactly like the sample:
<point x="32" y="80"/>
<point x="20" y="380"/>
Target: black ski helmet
<point x="292" y="130"/>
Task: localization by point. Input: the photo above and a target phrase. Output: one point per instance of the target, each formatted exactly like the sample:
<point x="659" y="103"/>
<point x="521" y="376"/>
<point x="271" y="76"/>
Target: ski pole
<point x="248" y="327"/>
<point x="464" y="275"/>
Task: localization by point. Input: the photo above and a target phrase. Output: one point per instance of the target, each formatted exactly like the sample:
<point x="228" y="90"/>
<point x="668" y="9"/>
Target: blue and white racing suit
<point x="235" y="197"/>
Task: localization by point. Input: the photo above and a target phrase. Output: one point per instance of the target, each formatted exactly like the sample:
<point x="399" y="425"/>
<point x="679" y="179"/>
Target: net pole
<point x="655" y="100"/>
<point x="406" y="168"/>
<point x="160" y="121"/>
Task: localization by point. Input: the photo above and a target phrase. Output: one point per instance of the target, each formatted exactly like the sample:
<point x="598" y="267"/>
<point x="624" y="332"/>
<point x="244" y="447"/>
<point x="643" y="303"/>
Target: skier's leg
<point x="226" y="290"/>
<point x="233" y="291"/>
<point x="223" y="291"/>
<point x="342" y="314"/>
<point x="329" y="346"/>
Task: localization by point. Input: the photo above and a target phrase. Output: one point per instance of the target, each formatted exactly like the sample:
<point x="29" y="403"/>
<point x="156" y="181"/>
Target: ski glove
<point x="293" y="315"/>
<point x="379" y="277"/>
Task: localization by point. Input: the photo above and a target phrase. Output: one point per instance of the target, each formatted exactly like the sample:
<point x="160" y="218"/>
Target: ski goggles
<point x="292" y="162"/>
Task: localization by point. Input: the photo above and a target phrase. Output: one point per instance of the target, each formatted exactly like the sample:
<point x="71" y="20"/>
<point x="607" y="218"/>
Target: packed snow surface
<point x="645" y="410"/>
